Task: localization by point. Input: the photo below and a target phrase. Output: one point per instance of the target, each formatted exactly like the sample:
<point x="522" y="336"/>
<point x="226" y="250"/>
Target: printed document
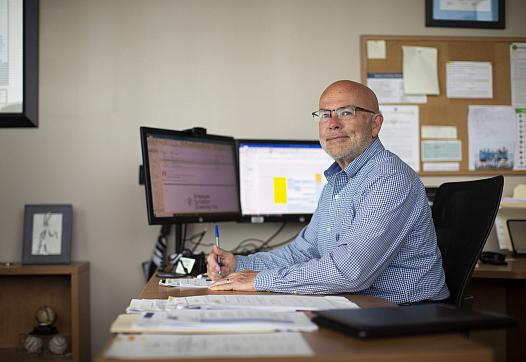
<point x="213" y="321"/>
<point x="389" y="88"/>
<point x="399" y="133"/>
<point x="277" y="303"/>
<point x="520" y="154"/>
<point x="518" y="73"/>
<point x="469" y="80"/>
<point x="156" y="346"/>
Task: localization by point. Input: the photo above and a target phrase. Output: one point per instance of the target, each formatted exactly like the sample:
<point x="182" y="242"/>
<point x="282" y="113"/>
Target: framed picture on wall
<point x="466" y="13"/>
<point x="47" y="234"/>
<point x="19" y="63"/>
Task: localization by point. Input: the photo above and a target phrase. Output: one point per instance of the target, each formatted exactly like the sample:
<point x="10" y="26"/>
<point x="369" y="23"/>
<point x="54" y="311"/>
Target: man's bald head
<point x="362" y="96"/>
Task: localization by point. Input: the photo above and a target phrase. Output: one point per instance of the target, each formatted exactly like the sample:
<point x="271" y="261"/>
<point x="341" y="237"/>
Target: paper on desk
<point x="277" y="303"/>
<point x="152" y="346"/>
<point x="212" y="321"/>
<point x="146" y="305"/>
<point x="185" y="282"/>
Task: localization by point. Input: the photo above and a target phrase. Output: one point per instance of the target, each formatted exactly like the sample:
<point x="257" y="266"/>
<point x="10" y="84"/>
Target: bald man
<point x="372" y="232"/>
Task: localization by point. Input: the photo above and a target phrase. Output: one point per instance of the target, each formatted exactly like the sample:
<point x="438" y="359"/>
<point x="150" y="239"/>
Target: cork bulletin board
<point x="440" y="110"/>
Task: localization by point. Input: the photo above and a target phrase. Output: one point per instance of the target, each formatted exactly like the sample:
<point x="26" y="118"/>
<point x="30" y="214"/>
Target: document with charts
<point x="213" y="321"/>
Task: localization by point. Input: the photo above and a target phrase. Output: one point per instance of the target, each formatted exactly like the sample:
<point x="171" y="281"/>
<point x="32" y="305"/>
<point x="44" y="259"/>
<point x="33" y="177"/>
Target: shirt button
<point x="328" y="229"/>
<point x="336" y="197"/>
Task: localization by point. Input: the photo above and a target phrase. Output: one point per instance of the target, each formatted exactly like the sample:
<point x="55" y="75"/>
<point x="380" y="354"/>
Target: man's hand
<point x="228" y="263"/>
<point x="242" y="281"/>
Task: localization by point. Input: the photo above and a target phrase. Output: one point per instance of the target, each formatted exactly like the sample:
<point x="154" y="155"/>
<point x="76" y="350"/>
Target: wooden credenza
<point x="502" y="289"/>
<point x="25" y="288"/>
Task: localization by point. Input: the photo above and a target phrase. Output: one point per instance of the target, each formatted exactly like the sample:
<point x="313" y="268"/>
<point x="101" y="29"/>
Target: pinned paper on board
<point x="420" y="70"/>
<point x="399" y="133"/>
<point x="389" y="88"/>
<point x="491" y="137"/>
<point x="376" y="49"/>
<point x="469" y="80"/>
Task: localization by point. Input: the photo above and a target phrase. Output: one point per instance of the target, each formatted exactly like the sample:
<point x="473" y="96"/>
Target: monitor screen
<point x="189" y="178"/>
<point x="280" y="180"/>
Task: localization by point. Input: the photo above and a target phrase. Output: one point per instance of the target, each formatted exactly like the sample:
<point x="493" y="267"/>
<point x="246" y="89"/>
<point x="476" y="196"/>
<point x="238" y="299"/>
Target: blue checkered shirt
<point x="371" y="234"/>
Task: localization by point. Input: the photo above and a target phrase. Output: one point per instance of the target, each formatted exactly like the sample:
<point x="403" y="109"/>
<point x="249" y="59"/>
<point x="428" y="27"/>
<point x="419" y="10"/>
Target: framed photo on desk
<point x="47" y="234"/>
<point x="487" y="14"/>
<point x="19" y="63"/>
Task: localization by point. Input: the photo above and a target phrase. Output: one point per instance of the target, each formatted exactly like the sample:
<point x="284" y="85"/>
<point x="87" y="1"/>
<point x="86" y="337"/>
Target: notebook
<point x="416" y="319"/>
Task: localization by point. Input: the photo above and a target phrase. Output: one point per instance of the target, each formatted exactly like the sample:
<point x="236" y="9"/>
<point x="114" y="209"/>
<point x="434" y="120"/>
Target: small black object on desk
<point x="494" y="258"/>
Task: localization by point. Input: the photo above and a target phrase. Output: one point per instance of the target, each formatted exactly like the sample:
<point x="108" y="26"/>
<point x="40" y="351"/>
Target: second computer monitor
<point x="280" y="180"/>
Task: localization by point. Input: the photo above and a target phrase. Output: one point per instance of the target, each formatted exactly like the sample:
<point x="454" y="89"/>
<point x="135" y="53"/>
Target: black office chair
<point x="463" y="214"/>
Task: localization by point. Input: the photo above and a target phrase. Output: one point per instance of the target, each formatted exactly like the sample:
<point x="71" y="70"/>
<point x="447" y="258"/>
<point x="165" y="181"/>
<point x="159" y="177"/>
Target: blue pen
<point x="217" y="244"/>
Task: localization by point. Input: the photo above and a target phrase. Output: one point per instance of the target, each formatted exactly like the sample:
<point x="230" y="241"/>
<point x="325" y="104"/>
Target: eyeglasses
<point x="343" y="113"/>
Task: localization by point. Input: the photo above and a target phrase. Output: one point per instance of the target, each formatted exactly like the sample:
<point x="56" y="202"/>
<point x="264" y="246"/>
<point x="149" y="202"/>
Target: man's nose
<point x="334" y="122"/>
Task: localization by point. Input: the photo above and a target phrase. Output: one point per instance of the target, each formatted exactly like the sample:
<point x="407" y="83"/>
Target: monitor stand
<point x="167" y="269"/>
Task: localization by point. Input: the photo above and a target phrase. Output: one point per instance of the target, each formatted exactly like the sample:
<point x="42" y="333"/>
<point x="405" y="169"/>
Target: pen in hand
<point x="217" y="244"/>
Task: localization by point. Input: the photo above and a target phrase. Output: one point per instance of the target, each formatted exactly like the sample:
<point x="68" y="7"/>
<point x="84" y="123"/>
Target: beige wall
<point x="241" y="67"/>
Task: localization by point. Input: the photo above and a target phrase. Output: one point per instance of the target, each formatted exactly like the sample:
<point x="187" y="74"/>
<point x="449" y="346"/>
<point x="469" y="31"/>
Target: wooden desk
<point x="502" y="288"/>
<point x="332" y="346"/>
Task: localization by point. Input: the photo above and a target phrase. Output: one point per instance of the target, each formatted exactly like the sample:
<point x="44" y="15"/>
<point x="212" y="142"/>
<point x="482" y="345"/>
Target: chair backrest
<point x="463" y="214"/>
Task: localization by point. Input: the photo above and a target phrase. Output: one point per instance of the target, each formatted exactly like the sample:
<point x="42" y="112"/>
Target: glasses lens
<point x="345" y="112"/>
<point x="321" y="114"/>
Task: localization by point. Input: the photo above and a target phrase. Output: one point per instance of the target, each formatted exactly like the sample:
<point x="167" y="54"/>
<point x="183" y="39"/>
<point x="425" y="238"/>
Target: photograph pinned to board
<point x="47" y="234"/>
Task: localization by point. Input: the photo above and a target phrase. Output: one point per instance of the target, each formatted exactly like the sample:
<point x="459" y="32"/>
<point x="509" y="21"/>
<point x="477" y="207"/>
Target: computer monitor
<point x="189" y="176"/>
<point x="280" y="180"/>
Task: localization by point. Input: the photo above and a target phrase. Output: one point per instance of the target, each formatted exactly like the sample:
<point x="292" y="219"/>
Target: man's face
<point x="344" y="140"/>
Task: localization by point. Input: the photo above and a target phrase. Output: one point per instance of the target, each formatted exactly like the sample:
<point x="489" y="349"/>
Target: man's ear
<point x="378" y="120"/>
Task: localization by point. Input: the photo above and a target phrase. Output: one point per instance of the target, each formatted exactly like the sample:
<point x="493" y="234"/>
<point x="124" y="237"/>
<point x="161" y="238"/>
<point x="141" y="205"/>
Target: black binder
<point x="415" y="319"/>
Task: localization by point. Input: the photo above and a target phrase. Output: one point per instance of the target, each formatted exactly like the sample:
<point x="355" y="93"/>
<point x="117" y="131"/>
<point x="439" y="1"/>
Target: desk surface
<point x="331" y="346"/>
<point x="515" y="269"/>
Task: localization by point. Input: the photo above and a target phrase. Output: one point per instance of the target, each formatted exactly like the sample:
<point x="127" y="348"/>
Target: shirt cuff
<point x="242" y="263"/>
<point x="264" y="280"/>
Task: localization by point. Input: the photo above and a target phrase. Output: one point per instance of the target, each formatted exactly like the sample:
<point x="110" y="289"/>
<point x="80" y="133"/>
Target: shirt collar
<point x="352" y="169"/>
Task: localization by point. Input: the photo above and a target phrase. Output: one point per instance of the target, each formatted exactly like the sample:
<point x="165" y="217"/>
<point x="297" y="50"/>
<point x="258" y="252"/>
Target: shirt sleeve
<point x="364" y="250"/>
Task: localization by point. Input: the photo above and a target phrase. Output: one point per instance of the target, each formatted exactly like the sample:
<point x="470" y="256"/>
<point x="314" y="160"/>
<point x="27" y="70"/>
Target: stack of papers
<point x="155" y="346"/>
<point x="212" y="321"/>
<point x="219" y="326"/>
<point x="276" y="303"/>
<point x="146" y="305"/>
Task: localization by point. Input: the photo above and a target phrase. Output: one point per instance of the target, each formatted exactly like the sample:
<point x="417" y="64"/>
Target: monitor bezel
<point x="193" y="217"/>
<point x="263" y="218"/>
